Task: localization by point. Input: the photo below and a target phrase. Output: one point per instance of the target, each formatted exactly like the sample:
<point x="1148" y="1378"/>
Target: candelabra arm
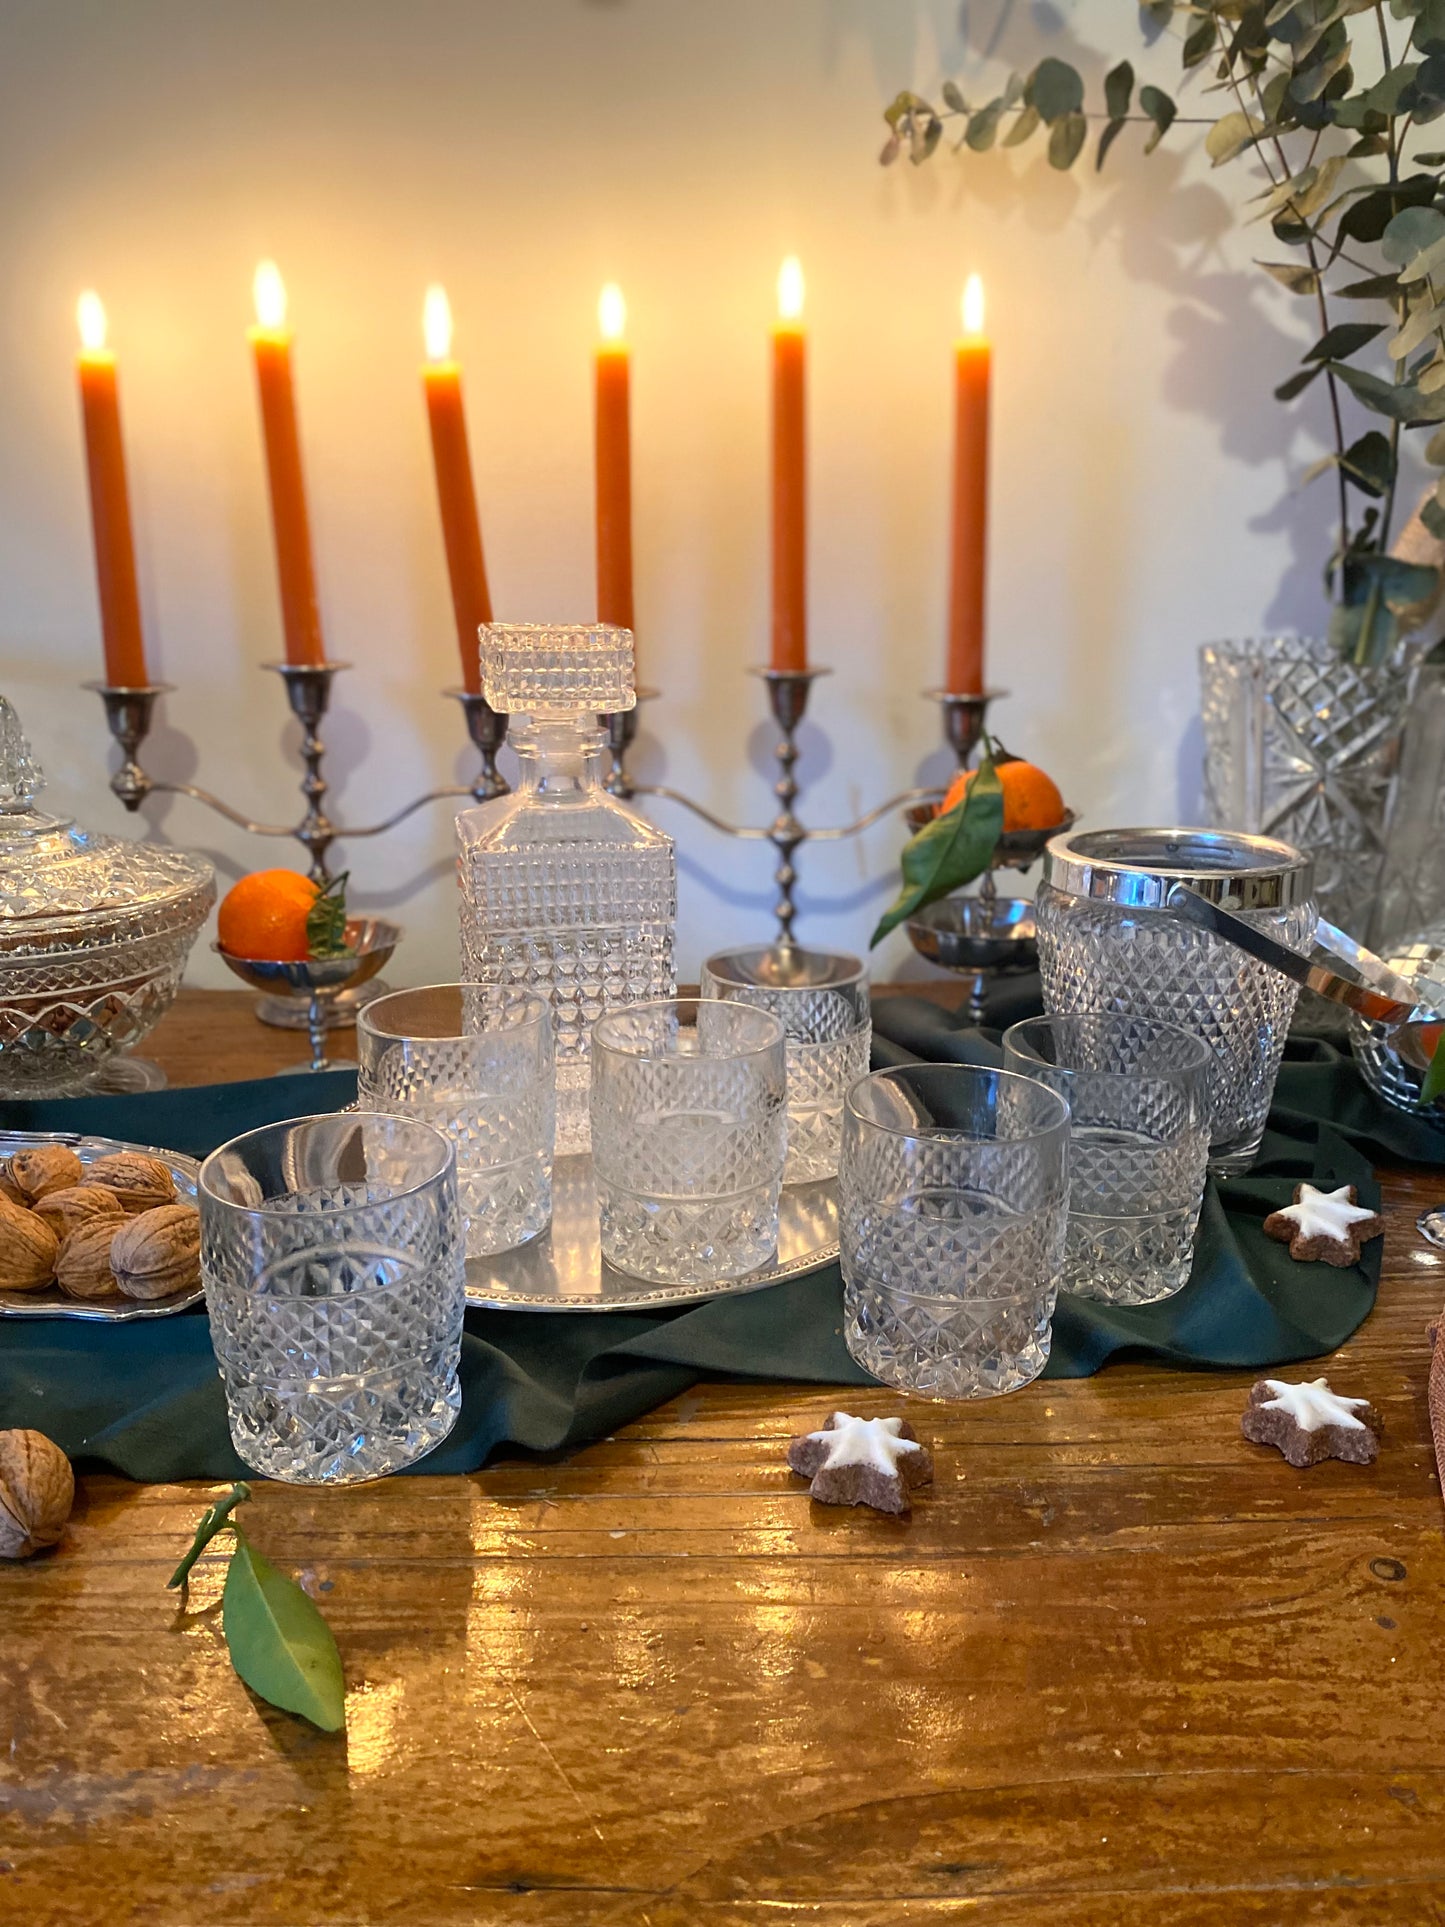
<point x="899" y="802"/>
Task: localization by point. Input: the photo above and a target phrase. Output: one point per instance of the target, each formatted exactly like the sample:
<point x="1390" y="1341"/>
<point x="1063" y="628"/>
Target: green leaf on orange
<point x="950" y="851"/>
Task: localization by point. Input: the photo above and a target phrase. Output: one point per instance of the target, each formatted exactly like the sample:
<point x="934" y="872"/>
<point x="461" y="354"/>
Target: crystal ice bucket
<point x="1107" y="942"/>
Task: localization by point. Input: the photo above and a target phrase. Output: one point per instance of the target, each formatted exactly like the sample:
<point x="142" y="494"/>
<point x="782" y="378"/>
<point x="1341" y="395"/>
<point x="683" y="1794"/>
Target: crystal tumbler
<point x="689" y="1134"/>
<point x="952" y="1199"/>
<point x="477" y="1063"/>
<point x="331" y="1249"/>
<point x="821" y="1000"/>
<point x="1107" y="941"/>
<point x="1138" y="1098"/>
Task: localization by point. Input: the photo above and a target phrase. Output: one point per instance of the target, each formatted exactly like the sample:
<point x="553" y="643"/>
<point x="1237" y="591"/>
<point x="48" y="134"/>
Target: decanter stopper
<point x="579" y="669"/>
<point x="21" y="777"/>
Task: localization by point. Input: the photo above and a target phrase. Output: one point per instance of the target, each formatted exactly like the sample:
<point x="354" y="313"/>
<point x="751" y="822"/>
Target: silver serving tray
<point x="52" y="1302"/>
<point x="563" y="1270"/>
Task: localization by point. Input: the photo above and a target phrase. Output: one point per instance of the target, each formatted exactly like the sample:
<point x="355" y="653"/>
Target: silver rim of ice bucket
<point x="1139" y="868"/>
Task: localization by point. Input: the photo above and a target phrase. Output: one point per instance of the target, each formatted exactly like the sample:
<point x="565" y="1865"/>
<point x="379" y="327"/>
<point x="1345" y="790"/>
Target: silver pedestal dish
<point x="980" y="938"/>
<point x="369" y="944"/>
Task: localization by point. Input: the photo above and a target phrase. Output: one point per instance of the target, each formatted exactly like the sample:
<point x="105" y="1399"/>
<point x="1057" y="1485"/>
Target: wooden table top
<point x="1120" y="1667"/>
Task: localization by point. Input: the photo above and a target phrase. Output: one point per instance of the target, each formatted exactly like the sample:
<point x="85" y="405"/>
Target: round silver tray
<point x="52" y="1302"/>
<point x="563" y="1270"/>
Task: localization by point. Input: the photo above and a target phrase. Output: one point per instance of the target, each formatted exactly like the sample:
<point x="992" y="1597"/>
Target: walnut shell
<point x="65" y="1211"/>
<point x="158" y="1253"/>
<point x="138" y="1181"/>
<point x="37" y="1490"/>
<point x="27" y="1249"/>
<point x="9" y="1190"/>
<point x="82" y="1269"/>
<point x="43" y="1168"/>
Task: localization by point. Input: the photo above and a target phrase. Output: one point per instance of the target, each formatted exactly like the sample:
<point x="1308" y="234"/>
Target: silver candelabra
<point x="130" y="713"/>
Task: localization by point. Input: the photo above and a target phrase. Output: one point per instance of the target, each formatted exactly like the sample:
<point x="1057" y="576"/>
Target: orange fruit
<point x="264" y="916"/>
<point x="1031" y="799"/>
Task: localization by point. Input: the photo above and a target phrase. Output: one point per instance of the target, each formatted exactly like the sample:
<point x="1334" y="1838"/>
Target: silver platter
<point x="563" y="1270"/>
<point x="52" y="1302"/>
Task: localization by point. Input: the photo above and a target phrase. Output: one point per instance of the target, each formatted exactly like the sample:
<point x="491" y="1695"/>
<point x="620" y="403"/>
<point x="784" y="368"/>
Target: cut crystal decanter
<point x="565" y="891"/>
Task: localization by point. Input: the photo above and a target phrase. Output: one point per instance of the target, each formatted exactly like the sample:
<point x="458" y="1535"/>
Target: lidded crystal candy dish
<point x="565" y="892"/>
<point x="94" y="935"/>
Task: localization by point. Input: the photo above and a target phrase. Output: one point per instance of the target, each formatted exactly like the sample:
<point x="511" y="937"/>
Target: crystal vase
<point x="1301" y="745"/>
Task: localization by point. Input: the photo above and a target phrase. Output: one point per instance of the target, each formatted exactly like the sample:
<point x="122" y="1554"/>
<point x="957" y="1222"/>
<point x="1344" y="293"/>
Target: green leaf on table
<point x="326" y="920"/>
<point x="216" y="1518"/>
<point x="279" y="1643"/>
<point x="951" y="850"/>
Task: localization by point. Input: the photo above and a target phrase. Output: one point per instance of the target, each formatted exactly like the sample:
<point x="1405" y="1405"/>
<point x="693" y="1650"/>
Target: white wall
<point x="524" y="153"/>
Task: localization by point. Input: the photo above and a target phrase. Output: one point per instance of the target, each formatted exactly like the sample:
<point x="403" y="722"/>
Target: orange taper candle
<point x="271" y="345"/>
<point x="125" y="657"/>
<point x="614" y="464"/>
<point x="972" y="363"/>
<point x="790" y="513"/>
<point x="461" y="529"/>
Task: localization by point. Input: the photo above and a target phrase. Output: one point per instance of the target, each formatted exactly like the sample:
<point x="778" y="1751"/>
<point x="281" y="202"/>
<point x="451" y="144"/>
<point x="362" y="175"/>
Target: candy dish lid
<point x="60" y="885"/>
<point x="1139" y="868"/>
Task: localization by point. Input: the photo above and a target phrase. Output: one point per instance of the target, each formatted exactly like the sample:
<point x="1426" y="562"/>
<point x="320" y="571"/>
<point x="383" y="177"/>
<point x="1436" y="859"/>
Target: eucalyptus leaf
<point x="1066" y="140"/>
<point x="1401" y="401"/>
<point x="950" y="851"/>
<point x="1433" y="516"/>
<point x="1118" y="90"/>
<point x="983" y="127"/>
<point x="1410" y="232"/>
<point x="1375" y="287"/>
<point x="1345" y="338"/>
<point x="279" y="1643"/>
<point x="1199" y="43"/>
<point x="1027" y="122"/>
<point x="1230" y="135"/>
<point x="1056" y="89"/>
<point x="1292" y="275"/>
<point x="1424" y="321"/>
<point x="1426" y="265"/>
<point x="1435" y="449"/>
<point x="953" y="98"/>
<point x="1370" y="463"/>
<point x="1161" y="110"/>
<point x="1298" y="382"/>
<point x="1110" y="134"/>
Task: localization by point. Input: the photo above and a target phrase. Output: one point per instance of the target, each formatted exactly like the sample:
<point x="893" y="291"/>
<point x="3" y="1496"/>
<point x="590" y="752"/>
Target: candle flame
<point x="973" y="305"/>
<point x="790" y="289"/>
<point x="90" y="315"/>
<point x="269" y="292"/>
<point x="436" y="322"/>
<point x="611" y="312"/>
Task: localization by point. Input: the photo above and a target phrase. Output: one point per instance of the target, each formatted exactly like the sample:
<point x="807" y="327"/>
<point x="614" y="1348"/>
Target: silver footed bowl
<point x="1391" y="1076"/>
<point x="974" y="934"/>
<point x="369" y="944"/>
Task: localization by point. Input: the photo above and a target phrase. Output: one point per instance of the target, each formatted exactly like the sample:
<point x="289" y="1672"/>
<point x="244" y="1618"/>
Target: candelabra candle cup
<point x="331" y="1249"/>
<point x="822" y="1002"/>
<point x="689" y="1136"/>
<point x="952" y="1205"/>
<point x="1138" y="1098"/>
<point x="477" y="1064"/>
<point x="1107" y="941"/>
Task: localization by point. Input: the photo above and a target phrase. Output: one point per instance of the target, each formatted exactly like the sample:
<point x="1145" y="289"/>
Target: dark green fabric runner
<point x="144" y="1399"/>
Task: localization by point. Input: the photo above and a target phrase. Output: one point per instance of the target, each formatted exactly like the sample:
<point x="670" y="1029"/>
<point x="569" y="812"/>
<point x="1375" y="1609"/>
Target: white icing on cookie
<point x="866" y="1441"/>
<point x="1313" y="1404"/>
<point x="1325" y="1214"/>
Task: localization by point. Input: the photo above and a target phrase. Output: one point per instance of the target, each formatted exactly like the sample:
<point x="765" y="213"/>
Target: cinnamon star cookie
<point x="1330" y="1225"/>
<point x="1309" y="1422"/>
<point x="862" y="1461"/>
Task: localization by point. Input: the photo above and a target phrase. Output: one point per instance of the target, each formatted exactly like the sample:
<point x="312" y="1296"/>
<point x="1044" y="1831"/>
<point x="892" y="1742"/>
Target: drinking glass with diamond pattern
<point x="477" y="1063"/>
<point x="1138" y="1098"/>
<point x="822" y="1002"/>
<point x="331" y="1249"/>
<point x="952" y="1201"/>
<point x="689" y="1135"/>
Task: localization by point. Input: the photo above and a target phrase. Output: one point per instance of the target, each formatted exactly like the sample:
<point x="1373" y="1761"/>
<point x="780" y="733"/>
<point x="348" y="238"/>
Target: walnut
<point x="158" y="1253"/>
<point x="138" y="1181"/>
<point x="9" y="1190"/>
<point x="27" y="1249"/>
<point x="65" y="1211"/>
<point x="82" y="1269"/>
<point x="37" y="1490"/>
<point x="45" y="1167"/>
